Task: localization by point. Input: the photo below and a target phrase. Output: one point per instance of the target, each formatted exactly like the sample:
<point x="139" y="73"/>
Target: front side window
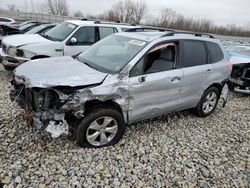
<point x="112" y="53"/>
<point x="106" y="31"/>
<point x="85" y="36"/>
<point x="160" y="58"/>
<point x="60" y="32"/>
<point x="194" y="54"/>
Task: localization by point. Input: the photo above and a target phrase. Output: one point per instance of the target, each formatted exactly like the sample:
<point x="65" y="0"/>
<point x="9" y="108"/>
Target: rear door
<point x="219" y="62"/>
<point x="106" y="31"/>
<point x="194" y="61"/>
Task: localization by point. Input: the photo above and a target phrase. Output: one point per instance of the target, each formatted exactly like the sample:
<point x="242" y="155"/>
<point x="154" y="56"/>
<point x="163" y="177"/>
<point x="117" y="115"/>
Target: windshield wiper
<point x="93" y="66"/>
<point x="48" y="37"/>
<point x="77" y="58"/>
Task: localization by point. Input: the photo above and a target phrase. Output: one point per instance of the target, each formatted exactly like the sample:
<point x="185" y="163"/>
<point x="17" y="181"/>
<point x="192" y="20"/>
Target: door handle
<point x="58" y="50"/>
<point x="142" y="79"/>
<point x="208" y="71"/>
<point x="175" y="79"/>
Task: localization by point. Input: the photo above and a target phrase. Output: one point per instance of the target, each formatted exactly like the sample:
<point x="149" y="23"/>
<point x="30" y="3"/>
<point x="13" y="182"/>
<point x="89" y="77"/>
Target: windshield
<point x="60" y="32"/>
<point x="112" y="53"/>
<point x="35" y="30"/>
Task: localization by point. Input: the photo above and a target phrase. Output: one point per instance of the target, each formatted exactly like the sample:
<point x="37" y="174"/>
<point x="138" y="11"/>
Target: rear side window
<point x="215" y="52"/>
<point x="106" y="31"/>
<point x="194" y="53"/>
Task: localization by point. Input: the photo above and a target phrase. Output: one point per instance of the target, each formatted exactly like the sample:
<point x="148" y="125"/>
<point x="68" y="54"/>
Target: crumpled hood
<point x="238" y="58"/>
<point x="59" y="71"/>
<point x="20" y="40"/>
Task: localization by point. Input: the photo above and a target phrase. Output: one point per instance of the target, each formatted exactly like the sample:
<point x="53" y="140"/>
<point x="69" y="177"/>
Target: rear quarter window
<point x="194" y="53"/>
<point x="215" y="52"/>
<point x="106" y="31"/>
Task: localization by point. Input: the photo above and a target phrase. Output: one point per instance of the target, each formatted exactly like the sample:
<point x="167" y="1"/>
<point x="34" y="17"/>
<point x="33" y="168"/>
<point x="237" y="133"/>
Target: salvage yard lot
<point x="175" y="150"/>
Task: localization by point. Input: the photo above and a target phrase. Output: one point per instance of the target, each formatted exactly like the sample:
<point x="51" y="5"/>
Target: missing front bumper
<point x="51" y="122"/>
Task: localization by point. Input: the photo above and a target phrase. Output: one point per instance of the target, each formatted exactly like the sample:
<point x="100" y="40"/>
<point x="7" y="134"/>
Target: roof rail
<point x="148" y="29"/>
<point x="196" y="34"/>
<point x="116" y="23"/>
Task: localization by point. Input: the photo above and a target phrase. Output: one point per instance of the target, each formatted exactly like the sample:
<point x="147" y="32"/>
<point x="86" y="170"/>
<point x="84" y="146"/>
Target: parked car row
<point x="112" y="75"/>
<point x="29" y="27"/>
<point x="68" y="38"/>
<point x="17" y="28"/>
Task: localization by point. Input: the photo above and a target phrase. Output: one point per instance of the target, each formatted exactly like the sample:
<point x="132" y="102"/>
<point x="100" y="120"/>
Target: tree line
<point x="137" y="12"/>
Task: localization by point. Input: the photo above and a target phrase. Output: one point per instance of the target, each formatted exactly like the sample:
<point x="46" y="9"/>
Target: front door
<point x="84" y="37"/>
<point x="155" y="83"/>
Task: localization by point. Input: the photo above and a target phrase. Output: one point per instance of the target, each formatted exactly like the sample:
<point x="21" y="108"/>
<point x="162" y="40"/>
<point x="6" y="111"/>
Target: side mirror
<point x="73" y="40"/>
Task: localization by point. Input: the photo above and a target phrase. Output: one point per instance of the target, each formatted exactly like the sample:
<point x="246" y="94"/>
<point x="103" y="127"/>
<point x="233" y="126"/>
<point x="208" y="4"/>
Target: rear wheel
<point x="208" y="102"/>
<point x="101" y="127"/>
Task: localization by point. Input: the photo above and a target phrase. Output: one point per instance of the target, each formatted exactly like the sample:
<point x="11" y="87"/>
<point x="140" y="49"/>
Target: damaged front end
<point x="240" y="77"/>
<point x="42" y="108"/>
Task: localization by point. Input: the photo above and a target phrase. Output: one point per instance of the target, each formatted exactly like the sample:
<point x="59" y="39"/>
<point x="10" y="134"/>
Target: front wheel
<point x="208" y="102"/>
<point x="101" y="127"/>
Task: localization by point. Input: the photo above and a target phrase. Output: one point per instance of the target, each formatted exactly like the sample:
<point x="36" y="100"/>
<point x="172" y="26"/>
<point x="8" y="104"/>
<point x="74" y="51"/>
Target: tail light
<point x="230" y="67"/>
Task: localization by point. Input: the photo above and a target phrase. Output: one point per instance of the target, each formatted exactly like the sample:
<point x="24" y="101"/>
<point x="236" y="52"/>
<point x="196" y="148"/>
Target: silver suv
<point x="124" y="78"/>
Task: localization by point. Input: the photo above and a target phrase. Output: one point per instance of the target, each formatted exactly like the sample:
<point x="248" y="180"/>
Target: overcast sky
<point x="220" y="11"/>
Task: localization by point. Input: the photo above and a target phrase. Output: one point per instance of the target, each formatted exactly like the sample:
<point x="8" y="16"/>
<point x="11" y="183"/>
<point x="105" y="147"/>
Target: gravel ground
<point x="178" y="150"/>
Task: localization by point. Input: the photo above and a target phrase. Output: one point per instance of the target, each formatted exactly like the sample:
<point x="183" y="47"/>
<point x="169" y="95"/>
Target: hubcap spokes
<point x="102" y="131"/>
<point x="209" y="102"/>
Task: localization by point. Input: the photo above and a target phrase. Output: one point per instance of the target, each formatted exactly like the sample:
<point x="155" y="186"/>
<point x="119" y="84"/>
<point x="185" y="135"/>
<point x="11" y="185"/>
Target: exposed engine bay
<point x="42" y="108"/>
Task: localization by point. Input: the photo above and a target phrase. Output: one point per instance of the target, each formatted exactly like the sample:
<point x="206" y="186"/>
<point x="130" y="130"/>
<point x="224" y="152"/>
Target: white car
<point x="66" y="39"/>
<point x="4" y="20"/>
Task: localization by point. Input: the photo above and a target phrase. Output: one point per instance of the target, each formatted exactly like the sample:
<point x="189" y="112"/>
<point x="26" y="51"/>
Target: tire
<point x="9" y="68"/>
<point x="231" y="86"/>
<point x="203" y="111"/>
<point x="92" y="128"/>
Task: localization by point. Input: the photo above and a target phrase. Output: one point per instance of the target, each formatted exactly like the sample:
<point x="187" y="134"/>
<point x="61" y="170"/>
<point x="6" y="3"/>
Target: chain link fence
<point x="35" y="16"/>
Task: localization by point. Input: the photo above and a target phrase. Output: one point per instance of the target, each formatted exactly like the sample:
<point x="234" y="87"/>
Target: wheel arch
<point x="93" y="104"/>
<point x="217" y="85"/>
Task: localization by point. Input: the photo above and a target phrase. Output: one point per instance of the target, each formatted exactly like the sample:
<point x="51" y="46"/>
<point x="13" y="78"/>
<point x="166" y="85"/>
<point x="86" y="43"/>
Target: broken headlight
<point x="12" y="51"/>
